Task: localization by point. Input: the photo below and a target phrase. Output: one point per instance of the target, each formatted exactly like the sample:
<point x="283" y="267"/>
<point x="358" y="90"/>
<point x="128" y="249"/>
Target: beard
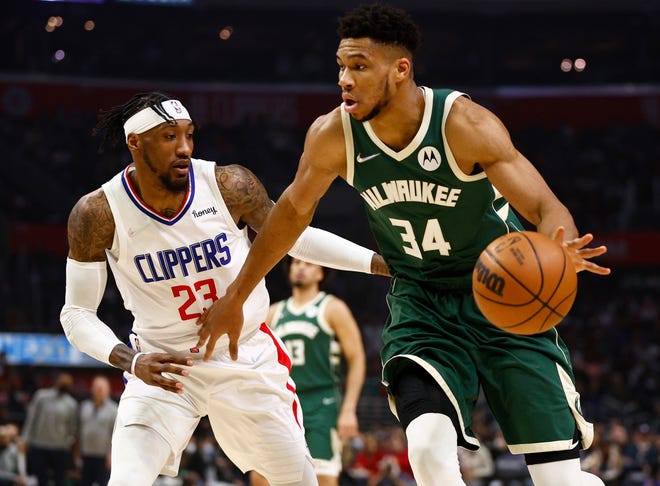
<point x="372" y="114"/>
<point x="384" y="101"/>
<point x="173" y="185"/>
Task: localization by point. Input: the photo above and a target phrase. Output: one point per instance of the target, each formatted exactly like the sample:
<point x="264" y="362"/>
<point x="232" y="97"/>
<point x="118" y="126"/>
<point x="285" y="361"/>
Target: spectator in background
<point x="209" y="465"/>
<point x="398" y="448"/>
<point x="367" y="460"/>
<point x="97" y="420"/>
<point x="12" y="457"/>
<point x="653" y="476"/>
<point x="50" y="431"/>
<point x="605" y="459"/>
<point x="640" y="455"/>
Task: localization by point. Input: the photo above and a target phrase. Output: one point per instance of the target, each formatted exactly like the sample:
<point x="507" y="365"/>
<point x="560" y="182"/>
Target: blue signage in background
<point x="43" y="350"/>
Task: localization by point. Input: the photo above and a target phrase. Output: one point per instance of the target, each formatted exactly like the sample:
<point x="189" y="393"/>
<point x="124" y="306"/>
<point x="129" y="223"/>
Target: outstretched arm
<point x="477" y="136"/>
<point x="282" y="227"/>
<point x="249" y="204"/>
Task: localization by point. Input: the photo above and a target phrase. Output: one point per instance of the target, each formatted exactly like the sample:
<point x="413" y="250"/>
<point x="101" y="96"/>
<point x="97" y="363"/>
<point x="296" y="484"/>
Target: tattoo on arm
<point x="121" y="357"/>
<point x="244" y="194"/>
<point x="90" y="228"/>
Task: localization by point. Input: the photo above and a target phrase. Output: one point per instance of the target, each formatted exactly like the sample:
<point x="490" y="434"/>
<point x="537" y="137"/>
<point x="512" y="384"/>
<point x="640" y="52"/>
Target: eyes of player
<point x="172" y="135"/>
<point x="352" y="67"/>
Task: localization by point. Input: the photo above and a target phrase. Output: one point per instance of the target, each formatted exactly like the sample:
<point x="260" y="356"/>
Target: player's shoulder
<point x="91" y="227"/>
<point x="324" y="144"/>
<point x="92" y="205"/>
<point x="277" y="304"/>
<point x="233" y="171"/>
<point x="328" y="126"/>
<point x="241" y="190"/>
<point x="464" y="111"/>
<point x="334" y="302"/>
<point x="274" y="311"/>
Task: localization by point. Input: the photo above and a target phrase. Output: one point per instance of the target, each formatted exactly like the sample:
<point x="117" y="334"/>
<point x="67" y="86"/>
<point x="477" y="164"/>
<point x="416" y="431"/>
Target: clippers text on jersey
<point x="198" y="257"/>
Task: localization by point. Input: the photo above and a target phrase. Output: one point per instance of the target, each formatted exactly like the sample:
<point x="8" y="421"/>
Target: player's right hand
<point x="150" y="367"/>
<point x="224" y="316"/>
<point x="580" y="254"/>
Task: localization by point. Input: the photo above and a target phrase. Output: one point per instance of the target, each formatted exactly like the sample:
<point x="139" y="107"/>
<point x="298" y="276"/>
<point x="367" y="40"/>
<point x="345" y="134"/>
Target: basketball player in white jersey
<point x="174" y="231"/>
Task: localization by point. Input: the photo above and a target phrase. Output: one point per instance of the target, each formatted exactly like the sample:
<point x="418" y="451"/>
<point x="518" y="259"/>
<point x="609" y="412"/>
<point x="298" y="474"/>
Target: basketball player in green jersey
<point x="318" y="328"/>
<point x="440" y="176"/>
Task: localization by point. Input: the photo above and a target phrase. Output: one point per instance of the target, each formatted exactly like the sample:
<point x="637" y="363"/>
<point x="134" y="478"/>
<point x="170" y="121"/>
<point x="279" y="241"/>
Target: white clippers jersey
<point x="169" y="270"/>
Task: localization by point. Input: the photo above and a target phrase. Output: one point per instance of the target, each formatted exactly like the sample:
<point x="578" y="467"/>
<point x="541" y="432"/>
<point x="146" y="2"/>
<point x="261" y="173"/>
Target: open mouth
<point x="350" y="105"/>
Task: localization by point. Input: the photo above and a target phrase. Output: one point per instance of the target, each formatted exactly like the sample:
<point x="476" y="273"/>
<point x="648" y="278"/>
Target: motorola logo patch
<point x="429" y="158"/>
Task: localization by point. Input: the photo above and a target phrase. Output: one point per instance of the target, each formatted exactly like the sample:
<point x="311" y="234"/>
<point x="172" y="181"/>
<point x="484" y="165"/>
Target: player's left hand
<point x="579" y="254"/>
<point x="347" y="425"/>
<point x="225" y="316"/>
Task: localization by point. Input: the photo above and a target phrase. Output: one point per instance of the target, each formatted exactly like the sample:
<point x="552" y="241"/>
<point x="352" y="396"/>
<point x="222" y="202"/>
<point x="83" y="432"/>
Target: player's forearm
<point x="354" y="383"/>
<point x="323" y="248"/>
<point x="85" y="284"/>
<point x="121" y="357"/>
<point x="279" y="232"/>
<point x="557" y="216"/>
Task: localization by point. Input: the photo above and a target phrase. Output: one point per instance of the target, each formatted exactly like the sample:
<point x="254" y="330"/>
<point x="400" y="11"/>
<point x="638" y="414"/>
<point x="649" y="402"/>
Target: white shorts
<point x="251" y="404"/>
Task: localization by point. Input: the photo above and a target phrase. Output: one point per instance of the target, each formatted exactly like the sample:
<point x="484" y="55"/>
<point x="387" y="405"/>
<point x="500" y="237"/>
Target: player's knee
<point x="431" y="468"/>
<point x="562" y="472"/>
<point x="432" y="450"/>
<point x="589" y="479"/>
<point x="421" y="448"/>
<point x="424" y="454"/>
<point x="127" y="476"/>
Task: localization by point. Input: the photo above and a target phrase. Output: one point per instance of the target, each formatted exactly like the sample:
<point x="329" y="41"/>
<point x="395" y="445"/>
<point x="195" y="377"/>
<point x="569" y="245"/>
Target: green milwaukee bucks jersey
<point x="314" y="349"/>
<point x="430" y="220"/>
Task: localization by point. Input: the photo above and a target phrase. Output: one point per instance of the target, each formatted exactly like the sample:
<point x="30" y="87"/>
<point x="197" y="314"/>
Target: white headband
<point x="147" y="118"/>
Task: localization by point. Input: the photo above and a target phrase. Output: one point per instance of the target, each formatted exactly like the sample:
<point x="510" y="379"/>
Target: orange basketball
<point x="524" y="282"/>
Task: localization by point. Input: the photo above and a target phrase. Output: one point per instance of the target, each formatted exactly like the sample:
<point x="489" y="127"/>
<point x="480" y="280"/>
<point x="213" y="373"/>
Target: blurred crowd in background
<point x="478" y="42"/>
<point x="608" y="174"/>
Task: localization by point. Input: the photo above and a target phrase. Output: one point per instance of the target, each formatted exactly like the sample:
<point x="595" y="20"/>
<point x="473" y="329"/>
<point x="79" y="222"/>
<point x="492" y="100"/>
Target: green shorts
<point x="320" y="412"/>
<point x="527" y="380"/>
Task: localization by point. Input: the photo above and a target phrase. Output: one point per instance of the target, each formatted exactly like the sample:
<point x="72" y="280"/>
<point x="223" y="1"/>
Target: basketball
<point x="524" y="282"/>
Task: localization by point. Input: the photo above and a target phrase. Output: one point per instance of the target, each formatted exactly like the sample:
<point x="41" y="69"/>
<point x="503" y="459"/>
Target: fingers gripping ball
<point x="524" y="282"/>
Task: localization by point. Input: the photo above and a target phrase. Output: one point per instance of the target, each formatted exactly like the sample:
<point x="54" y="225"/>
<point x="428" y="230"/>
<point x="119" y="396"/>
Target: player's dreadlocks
<point x="111" y="121"/>
<point x="382" y="23"/>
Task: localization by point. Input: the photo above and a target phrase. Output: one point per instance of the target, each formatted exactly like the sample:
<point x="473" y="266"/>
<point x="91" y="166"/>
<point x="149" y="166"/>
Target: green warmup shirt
<point x="315" y="353"/>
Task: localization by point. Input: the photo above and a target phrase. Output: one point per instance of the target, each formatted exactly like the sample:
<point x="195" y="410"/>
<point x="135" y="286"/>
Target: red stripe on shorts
<point x="283" y="359"/>
<point x="294" y="405"/>
<point x="282" y="356"/>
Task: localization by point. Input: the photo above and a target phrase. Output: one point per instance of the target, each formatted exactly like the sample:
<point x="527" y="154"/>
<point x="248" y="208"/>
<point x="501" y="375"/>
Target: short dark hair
<point x="285" y="263"/>
<point x="111" y="121"/>
<point x="382" y="23"/>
